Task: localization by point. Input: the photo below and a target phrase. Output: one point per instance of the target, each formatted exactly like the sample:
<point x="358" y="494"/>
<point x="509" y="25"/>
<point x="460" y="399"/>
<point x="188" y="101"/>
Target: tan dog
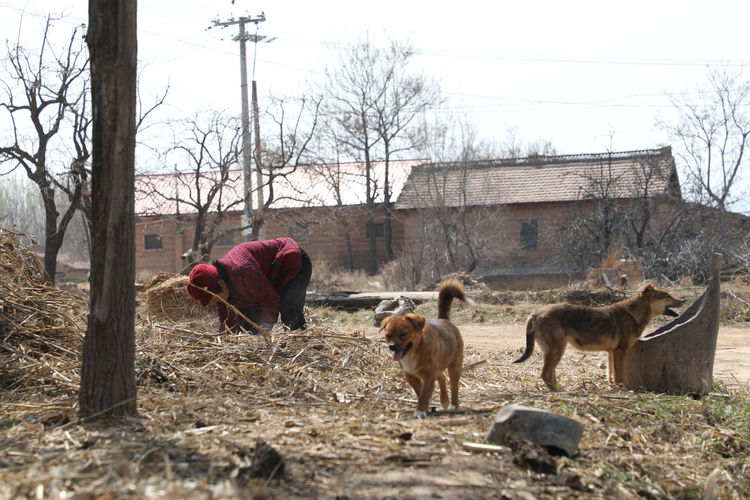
<point x="426" y="349"/>
<point x="613" y="328"/>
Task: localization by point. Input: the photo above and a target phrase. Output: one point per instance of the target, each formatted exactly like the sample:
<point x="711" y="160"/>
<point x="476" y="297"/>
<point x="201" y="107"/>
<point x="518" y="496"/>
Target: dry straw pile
<point x="165" y="298"/>
<point x="333" y="403"/>
<point x="41" y="327"/>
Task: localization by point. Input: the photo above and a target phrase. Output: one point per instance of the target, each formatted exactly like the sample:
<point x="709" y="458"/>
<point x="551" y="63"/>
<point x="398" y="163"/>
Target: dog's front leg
<point x="610" y="367"/>
<point x="428" y="385"/>
<point x="415" y="382"/>
<point x="618" y="356"/>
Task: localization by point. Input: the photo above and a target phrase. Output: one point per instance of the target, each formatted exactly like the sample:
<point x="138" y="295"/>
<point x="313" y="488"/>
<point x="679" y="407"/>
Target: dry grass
<point x="334" y="405"/>
<point x="328" y="278"/>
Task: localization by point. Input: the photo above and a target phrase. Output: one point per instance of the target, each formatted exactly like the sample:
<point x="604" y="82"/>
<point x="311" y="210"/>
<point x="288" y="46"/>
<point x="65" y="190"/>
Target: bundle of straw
<point x="166" y="298"/>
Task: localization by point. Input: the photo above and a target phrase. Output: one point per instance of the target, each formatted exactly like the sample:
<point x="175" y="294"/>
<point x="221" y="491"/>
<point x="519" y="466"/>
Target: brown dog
<point x="426" y="349"/>
<point x="613" y="328"/>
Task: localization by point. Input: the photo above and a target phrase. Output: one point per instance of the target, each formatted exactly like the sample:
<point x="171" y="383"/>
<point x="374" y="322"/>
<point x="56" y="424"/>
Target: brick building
<point x="519" y="205"/>
<point x="316" y="205"/>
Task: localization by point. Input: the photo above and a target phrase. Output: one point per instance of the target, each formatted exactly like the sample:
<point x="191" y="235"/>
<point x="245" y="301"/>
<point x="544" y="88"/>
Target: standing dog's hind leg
<point x="552" y="357"/>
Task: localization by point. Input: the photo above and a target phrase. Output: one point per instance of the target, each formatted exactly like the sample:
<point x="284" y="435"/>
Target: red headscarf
<point x="203" y="277"/>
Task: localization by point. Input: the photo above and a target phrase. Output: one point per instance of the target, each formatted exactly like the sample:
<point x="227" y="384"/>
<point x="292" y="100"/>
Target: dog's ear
<point x="384" y="323"/>
<point x="646" y="288"/>
<point x="417" y="320"/>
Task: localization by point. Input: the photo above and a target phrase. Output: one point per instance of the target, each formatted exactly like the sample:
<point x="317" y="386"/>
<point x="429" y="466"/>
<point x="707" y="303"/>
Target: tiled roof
<point x="305" y="186"/>
<point x="538" y="179"/>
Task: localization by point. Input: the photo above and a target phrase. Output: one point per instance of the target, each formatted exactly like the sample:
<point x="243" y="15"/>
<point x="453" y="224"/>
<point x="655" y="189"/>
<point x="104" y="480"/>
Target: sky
<point x="588" y="76"/>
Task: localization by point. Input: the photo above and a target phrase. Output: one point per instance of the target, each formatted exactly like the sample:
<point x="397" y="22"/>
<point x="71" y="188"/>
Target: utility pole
<point x="242" y="37"/>
<point x="258" y="173"/>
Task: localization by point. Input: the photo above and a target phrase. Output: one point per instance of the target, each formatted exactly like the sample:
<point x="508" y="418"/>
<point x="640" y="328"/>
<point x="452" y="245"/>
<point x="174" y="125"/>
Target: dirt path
<point x="731" y="363"/>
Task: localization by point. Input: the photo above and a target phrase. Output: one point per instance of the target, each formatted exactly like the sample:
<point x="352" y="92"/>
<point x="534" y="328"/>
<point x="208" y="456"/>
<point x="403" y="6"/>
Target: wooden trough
<point x="679" y="356"/>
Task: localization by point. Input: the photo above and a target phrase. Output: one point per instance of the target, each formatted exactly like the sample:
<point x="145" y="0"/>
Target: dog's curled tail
<point x="529" y="340"/>
<point x="449" y="290"/>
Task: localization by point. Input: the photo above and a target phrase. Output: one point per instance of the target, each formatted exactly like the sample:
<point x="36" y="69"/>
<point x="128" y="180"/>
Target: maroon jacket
<point x="258" y="272"/>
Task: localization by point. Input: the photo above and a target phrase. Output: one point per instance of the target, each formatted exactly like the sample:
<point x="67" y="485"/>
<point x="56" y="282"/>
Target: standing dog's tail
<point x="449" y="290"/>
<point x="529" y="340"/>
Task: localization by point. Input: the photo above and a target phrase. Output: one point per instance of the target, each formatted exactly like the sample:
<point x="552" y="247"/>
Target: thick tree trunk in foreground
<point x="108" y="369"/>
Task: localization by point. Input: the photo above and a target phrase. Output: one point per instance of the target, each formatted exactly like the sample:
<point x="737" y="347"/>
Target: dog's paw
<point x="418" y="414"/>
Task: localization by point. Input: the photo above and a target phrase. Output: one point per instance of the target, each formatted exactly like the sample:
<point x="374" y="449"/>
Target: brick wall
<point x="320" y="231"/>
<point x="500" y="231"/>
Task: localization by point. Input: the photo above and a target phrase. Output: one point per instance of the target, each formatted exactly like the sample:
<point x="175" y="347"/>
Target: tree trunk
<point x="372" y="268"/>
<point x="54" y="232"/>
<point x="108" y="368"/>
<point x="349" y="254"/>
<point x="52" y="243"/>
<point x="387" y="206"/>
<point x="388" y="231"/>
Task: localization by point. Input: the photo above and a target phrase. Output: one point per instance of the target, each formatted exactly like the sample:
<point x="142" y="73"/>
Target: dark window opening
<point x="226" y="240"/>
<point x="379" y="229"/>
<point x="529" y="235"/>
<point x="153" y="241"/>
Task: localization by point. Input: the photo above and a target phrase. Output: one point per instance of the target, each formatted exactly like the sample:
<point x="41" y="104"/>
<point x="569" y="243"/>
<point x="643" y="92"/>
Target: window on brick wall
<point x="529" y="235"/>
<point x="152" y="241"/>
<point x="226" y="240"/>
<point x="379" y="229"/>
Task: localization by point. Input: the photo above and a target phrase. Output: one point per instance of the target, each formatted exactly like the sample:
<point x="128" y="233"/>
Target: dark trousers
<point x="291" y="302"/>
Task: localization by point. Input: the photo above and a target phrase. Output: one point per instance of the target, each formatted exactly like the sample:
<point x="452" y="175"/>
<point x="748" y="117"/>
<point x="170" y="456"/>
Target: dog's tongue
<point x="397" y="355"/>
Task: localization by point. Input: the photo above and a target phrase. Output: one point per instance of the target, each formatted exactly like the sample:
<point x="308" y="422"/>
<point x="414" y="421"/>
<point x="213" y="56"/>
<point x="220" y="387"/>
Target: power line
<point x="574" y="59"/>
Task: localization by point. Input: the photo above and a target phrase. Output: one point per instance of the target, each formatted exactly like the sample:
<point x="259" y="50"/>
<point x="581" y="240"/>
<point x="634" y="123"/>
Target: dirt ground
<point x="731" y="363"/>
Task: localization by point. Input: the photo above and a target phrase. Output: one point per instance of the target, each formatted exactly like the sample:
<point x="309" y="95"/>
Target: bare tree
<point x="406" y="97"/>
<point x="336" y="178"/>
<point x="673" y="238"/>
<point x="108" y="366"/>
<point x="453" y="214"/>
<point x="452" y="232"/>
<point x="286" y="149"/>
<point x="596" y="225"/>
<point x="371" y="101"/>
<point x="204" y="188"/>
<point x="41" y="91"/>
<point x="639" y="212"/>
<point x="350" y="95"/>
<point x="711" y="134"/>
<point x="652" y="211"/>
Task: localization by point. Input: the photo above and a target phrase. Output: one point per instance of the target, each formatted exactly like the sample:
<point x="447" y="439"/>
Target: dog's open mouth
<point x="399" y="353"/>
<point x="670" y="312"/>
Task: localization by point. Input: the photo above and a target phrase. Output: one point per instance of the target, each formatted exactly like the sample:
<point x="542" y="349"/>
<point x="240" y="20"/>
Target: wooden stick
<point x="263" y="331"/>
